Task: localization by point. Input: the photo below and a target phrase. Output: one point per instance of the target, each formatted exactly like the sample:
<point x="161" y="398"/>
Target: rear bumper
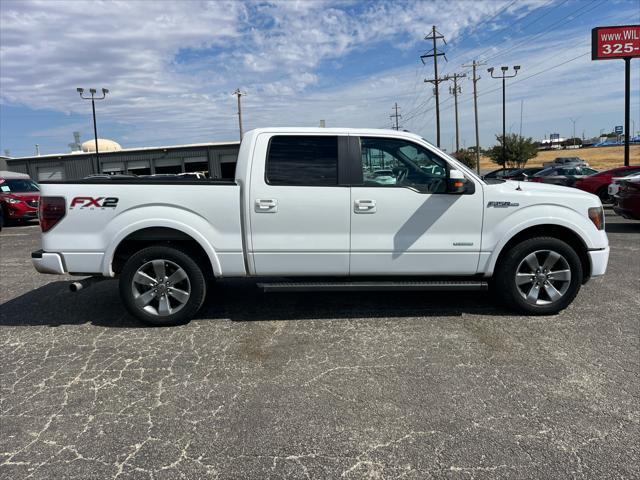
<point x="45" y="262"/>
<point x="73" y="263"/>
<point x="599" y="260"/>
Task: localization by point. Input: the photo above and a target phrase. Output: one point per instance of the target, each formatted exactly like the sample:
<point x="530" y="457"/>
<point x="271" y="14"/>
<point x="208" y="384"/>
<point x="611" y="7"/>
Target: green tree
<point x="466" y="156"/>
<point x="519" y="150"/>
<point x="572" y="141"/>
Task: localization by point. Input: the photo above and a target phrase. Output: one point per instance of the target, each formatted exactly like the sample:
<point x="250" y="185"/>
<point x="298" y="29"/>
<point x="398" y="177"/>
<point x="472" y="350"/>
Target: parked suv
<point x="19" y="197"/>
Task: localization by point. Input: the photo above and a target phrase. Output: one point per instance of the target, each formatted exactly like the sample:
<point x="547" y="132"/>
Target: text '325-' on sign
<point x="615" y="42"/>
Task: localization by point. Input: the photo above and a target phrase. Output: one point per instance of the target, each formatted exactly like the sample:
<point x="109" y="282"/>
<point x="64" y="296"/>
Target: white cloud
<point x="171" y="66"/>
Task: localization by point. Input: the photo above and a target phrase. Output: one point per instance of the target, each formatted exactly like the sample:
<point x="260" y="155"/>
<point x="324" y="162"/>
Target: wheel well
<point x="556" y="231"/>
<point x="170" y="237"/>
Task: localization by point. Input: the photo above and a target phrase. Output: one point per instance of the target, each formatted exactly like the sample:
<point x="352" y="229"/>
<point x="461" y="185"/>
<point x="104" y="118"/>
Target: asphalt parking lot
<point x="332" y="385"/>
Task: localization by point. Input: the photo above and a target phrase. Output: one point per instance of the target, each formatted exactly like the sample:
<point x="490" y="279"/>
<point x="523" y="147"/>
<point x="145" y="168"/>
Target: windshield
<point x="459" y="165"/>
<point x="18" y="185"/>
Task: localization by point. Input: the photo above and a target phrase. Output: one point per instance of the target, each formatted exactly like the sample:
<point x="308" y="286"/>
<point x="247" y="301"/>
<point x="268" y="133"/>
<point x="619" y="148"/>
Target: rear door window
<point x="302" y="160"/>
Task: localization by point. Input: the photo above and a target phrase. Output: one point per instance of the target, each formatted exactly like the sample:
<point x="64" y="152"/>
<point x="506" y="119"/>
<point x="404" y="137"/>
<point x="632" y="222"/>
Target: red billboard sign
<point x="621" y="41"/>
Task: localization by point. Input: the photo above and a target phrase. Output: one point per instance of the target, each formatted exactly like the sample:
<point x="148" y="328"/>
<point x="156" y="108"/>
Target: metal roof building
<point x="217" y="160"/>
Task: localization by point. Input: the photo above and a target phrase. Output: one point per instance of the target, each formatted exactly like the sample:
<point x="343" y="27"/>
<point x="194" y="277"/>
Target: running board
<point x="435" y="286"/>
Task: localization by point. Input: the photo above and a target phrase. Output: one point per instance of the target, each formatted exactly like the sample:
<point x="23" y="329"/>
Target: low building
<point x="216" y="160"/>
<point x="3" y="162"/>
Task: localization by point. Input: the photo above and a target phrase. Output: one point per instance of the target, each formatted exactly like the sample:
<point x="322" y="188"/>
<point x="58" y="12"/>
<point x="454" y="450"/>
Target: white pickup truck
<point x="308" y="210"/>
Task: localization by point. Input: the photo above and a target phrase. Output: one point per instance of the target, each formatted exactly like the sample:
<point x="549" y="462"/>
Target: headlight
<point x="13" y="200"/>
<point x="596" y="214"/>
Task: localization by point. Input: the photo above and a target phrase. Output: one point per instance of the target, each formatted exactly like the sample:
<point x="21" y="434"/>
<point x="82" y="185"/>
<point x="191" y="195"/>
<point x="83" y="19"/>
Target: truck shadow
<point x="239" y="300"/>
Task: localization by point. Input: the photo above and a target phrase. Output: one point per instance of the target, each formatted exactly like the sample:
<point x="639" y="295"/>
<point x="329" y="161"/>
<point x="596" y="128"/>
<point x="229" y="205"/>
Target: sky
<point x="171" y="68"/>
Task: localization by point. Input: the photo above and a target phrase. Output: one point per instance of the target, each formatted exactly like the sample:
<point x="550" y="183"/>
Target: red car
<point x="19" y="197"/>
<point x="628" y="200"/>
<point x="598" y="183"/>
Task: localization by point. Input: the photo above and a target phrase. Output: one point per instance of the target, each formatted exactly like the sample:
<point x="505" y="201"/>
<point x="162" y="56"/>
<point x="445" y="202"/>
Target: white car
<point x="614" y="187"/>
<point x="299" y="207"/>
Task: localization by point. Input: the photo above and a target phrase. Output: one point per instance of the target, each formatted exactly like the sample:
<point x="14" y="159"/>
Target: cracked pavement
<point x="318" y="385"/>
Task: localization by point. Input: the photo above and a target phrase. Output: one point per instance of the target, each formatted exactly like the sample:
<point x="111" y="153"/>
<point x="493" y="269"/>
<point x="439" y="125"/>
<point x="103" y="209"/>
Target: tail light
<point x="51" y="211"/>
<point x="535" y="179"/>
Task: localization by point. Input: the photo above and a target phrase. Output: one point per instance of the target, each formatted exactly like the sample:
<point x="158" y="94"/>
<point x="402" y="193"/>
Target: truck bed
<point x="206" y="210"/>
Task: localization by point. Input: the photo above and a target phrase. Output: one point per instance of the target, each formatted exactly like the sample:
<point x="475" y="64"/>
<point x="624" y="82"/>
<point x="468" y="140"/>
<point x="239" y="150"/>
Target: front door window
<point x="391" y="162"/>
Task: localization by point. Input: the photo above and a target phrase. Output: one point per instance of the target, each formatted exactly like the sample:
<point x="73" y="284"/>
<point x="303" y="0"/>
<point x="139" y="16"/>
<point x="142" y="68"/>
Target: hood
<point x="532" y="192"/>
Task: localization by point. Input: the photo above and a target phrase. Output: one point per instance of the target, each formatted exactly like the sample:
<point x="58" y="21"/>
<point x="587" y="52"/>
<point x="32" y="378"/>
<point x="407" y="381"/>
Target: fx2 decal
<point x="91" y="202"/>
<point x="502" y="204"/>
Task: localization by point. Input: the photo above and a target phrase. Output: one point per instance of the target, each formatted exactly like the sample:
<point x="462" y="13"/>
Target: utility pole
<point x="504" y="76"/>
<point x="435" y="36"/>
<point x="475" y="65"/>
<point x="396" y="116"/>
<point x="239" y="94"/>
<point x="93" y="99"/>
<point x="574" y="130"/>
<point x="455" y="91"/>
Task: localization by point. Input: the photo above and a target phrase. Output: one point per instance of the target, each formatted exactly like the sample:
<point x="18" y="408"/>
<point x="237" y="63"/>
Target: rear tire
<point x="539" y="276"/>
<point x="162" y="286"/>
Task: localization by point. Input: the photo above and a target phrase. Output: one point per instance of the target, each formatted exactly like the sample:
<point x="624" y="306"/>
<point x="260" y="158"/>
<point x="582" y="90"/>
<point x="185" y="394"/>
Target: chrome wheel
<point x="543" y="277"/>
<point x="161" y="287"/>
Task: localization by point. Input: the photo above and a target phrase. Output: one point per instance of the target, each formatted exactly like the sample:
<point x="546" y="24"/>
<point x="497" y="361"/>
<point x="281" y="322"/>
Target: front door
<point x="403" y="221"/>
<point x="299" y="214"/>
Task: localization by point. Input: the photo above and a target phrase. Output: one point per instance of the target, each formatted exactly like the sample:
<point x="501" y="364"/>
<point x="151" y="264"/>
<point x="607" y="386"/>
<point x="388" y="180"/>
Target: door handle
<point x="266" y="205"/>
<point x="364" y="206"/>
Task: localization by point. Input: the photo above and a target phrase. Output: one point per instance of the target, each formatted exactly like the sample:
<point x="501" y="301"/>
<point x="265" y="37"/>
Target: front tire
<point x="539" y="276"/>
<point x="162" y="286"/>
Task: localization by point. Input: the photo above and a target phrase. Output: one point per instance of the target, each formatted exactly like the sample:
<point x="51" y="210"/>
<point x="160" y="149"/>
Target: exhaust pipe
<point x="84" y="283"/>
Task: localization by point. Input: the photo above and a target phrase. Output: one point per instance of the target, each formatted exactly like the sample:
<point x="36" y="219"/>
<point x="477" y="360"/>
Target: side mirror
<point x="458" y="184"/>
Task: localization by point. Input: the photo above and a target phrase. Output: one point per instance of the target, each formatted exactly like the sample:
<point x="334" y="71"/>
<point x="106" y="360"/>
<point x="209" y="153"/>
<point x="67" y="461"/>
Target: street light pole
<point x="93" y="99"/>
<point x="504" y="76"/>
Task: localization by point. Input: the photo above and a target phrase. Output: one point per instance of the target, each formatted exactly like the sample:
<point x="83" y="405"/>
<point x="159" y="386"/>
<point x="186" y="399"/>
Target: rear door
<point x="299" y="212"/>
<point x="411" y="226"/>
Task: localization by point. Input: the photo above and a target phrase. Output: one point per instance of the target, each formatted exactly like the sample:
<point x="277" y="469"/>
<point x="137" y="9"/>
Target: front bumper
<point x="21" y="212"/>
<point x="45" y="262"/>
<point x="599" y="260"/>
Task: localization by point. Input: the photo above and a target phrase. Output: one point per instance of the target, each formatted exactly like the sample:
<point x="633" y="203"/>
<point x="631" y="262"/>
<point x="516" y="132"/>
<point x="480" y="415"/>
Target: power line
<point x="483" y="22"/>
<point x="515" y="81"/>
<point x="481" y="54"/>
<point x="545" y="30"/>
